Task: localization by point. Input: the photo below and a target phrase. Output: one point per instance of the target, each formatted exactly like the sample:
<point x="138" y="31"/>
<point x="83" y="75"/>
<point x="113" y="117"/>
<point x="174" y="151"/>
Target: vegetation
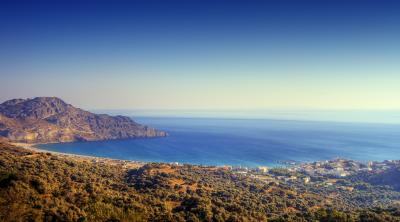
<point x="48" y="187"/>
<point x="390" y="177"/>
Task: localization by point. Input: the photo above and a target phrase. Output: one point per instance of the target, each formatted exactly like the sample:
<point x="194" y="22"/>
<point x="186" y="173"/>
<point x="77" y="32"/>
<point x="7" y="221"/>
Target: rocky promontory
<point x="50" y="119"/>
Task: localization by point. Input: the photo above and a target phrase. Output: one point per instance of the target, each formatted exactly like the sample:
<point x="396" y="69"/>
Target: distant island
<point x="51" y="120"/>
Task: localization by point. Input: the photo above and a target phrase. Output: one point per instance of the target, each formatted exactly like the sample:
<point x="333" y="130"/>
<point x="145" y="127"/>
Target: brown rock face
<point x="49" y="119"/>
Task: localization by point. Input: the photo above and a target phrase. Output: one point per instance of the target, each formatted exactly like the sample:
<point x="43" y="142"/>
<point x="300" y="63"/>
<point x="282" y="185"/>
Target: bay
<point x="247" y="142"/>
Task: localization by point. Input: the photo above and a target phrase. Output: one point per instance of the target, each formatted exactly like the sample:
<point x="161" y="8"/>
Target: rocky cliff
<point x="50" y="119"/>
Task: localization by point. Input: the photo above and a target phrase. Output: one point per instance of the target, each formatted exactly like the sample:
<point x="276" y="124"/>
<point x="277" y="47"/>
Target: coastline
<point x="79" y="157"/>
<point x="289" y="164"/>
<point x="33" y="147"/>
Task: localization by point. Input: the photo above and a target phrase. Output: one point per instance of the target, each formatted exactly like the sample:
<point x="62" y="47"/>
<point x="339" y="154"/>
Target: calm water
<point x="247" y="142"/>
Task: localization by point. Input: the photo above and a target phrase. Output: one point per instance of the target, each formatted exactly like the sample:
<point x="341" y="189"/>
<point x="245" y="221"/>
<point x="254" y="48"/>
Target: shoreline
<point x="280" y="164"/>
<point x="32" y="147"/>
<point x="126" y="163"/>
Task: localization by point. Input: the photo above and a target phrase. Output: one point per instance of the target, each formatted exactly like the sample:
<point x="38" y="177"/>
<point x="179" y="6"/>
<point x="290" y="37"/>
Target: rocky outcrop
<point x="50" y="119"/>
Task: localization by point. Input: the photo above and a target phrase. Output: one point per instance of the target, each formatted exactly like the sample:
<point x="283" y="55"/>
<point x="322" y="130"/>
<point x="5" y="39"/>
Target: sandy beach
<point x="84" y="158"/>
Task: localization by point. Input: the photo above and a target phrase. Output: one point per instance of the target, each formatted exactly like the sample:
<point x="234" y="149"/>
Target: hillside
<point x="49" y="187"/>
<point x="49" y="119"/>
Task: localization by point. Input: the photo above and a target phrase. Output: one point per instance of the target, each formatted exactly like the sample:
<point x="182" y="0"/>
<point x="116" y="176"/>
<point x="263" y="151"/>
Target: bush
<point x="7" y="178"/>
<point x="38" y="185"/>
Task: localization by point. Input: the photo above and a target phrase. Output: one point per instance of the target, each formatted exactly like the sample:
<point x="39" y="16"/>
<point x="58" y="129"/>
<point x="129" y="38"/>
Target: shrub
<point x="7" y="178"/>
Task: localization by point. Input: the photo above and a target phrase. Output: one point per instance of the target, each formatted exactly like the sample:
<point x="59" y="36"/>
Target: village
<point x="318" y="174"/>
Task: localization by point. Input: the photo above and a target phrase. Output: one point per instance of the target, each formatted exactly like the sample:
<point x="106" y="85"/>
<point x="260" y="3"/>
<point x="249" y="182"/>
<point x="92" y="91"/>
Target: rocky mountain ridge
<point x="50" y="119"/>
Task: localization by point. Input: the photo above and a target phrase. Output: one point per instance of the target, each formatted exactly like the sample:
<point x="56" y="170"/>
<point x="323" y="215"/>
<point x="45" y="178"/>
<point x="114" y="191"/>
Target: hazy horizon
<point x="349" y="116"/>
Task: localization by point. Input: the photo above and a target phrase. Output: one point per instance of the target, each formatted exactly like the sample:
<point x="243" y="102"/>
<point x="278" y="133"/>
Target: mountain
<point x="50" y="119"/>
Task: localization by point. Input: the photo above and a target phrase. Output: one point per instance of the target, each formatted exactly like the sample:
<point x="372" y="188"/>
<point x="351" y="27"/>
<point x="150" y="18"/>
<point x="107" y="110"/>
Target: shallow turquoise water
<point x="247" y="142"/>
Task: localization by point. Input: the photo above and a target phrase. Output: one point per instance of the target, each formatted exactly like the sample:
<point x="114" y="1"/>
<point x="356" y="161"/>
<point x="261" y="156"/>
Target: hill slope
<point x="47" y="187"/>
<point x="49" y="119"/>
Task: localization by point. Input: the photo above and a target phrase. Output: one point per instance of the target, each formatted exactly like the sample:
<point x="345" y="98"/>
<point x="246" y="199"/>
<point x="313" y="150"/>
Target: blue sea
<point x="247" y="142"/>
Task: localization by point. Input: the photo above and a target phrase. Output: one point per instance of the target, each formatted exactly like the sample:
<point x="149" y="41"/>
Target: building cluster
<point x="339" y="168"/>
<point x="320" y="173"/>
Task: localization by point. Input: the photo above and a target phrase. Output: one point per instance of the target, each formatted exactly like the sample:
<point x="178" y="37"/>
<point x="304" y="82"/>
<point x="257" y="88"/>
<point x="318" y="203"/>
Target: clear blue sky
<point x="203" y="54"/>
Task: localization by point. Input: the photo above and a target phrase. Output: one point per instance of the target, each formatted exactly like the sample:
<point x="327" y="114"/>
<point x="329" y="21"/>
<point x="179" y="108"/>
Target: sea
<point x="245" y="142"/>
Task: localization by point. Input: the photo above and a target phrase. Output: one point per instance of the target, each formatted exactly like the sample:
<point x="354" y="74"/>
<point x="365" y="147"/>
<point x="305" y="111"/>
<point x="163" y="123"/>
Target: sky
<point x="203" y="55"/>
